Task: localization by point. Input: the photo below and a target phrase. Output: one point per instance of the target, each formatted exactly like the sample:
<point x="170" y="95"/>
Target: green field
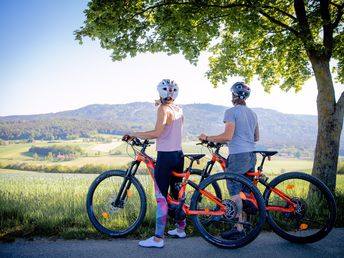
<point x="33" y="203"/>
<point x="117" y="154"/>
<point x="53" y="204"/>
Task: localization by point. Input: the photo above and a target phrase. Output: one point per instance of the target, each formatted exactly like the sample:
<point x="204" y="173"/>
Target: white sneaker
<point x="177" y="232"/>
<point x="150" y="242"/>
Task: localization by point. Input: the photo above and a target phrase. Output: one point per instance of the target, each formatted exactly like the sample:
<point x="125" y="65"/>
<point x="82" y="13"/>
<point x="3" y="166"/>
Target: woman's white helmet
<point x="168" y="89"/>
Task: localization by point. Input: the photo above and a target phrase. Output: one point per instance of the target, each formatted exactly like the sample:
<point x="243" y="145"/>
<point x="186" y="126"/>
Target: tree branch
<point x="197" y="4"/>
<point x="305" y="31"/>
<point x="327" y="26"/>
<point x="340" y="106"/>
<point x="336" y="5"/>
<point x="283" y="25"/>
<point x="228" y="6"/>
<point x="210" y="19"/>
<point x="280" y="11"/>
<point x="272" y="19"/>
<point x="339" y="16"/>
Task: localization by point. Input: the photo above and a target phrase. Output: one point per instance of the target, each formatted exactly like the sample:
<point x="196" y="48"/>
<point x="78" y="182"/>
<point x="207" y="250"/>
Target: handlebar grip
<point x="136" y="141"/>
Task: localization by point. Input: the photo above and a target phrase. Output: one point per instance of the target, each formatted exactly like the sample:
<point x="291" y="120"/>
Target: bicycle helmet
<point x="241" y="90"/>
<point x="168" y="89"/>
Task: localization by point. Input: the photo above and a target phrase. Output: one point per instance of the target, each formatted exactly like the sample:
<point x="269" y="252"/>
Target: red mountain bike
<point x="117" y="203"/>
<point x="300" y="208"/>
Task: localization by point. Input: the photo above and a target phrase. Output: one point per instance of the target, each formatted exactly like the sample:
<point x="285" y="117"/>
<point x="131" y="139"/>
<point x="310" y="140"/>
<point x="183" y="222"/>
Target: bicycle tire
<point x="119" y="220"/>
<point x="212" y="227"/>
<point x="316" y="210"/>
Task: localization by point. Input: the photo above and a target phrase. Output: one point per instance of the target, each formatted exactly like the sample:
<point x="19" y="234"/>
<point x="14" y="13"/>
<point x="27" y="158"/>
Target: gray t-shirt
<point x="245" y="121"/>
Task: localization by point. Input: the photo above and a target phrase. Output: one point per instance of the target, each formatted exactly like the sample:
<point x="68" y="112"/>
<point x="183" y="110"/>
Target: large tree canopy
<point x="283" y="42"/>
<point x="246" y="38"/>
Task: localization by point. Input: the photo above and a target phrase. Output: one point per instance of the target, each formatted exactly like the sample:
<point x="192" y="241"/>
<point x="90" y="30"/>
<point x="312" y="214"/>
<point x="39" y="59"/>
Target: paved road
<point x="266" y="245"/>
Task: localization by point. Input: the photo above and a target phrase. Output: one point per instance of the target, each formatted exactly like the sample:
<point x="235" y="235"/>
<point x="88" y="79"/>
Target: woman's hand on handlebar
<point x="127" y="137"/>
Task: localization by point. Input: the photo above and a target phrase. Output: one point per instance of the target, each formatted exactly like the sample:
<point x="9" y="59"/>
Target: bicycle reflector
<point x="129" y="193"/>
<point x="289" y="187"/>
<point x="303" y="226"/>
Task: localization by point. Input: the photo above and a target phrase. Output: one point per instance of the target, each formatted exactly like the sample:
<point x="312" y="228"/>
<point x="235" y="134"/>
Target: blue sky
<point x="43" y="69"/>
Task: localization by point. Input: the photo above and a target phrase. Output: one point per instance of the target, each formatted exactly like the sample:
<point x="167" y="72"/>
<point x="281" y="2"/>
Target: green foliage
<point x="339" y="197"/>
<point x="52" y="128"/>
<point x="85" y="122"/>
<point x="55" y="150"/>
<point x="38" y="204"/>
<point x="85" y="169"/>
<point x="271" y="39"/>
<point x="340" y="170"/>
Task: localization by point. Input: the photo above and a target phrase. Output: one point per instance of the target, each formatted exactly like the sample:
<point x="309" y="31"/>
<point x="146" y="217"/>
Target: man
<point x="240" y="133"/>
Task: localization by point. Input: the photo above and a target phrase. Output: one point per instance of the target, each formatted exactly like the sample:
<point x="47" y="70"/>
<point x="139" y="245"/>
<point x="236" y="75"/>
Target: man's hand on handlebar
<point x="203" y="138"/>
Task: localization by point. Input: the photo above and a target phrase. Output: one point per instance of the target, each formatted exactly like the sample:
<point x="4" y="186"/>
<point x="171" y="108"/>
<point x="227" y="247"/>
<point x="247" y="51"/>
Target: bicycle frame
<point x="150" y="165"/>
<point x="216" y="157"/>
<point x="258" y="176"/>
<point x="115" y="194"/>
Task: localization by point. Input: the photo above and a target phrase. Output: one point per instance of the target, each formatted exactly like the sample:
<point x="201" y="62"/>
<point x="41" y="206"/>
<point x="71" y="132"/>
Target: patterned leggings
<point x="166" y="162"/>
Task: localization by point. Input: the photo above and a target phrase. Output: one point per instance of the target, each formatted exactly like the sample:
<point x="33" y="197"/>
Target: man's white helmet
<point x="168" y="89"/>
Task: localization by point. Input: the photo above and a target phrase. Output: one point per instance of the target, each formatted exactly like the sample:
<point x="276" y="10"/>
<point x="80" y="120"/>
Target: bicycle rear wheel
<point x="315" y="212"/>
<point x="116" y="205"/>
<point x="214" y="228"/>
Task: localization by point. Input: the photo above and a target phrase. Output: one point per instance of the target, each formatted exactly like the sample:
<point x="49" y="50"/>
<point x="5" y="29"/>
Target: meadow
<point x="113" y="155"/>
<point x="53" y="204"/>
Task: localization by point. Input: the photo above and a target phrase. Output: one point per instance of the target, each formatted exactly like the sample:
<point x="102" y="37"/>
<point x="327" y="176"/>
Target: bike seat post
<point x="260" y="168"/>
<point x="190" y="164"/>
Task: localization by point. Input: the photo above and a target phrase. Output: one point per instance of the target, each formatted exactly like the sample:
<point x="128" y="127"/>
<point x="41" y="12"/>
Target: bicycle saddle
<point x="194" y="156"/>
<point x="266" y="153"/>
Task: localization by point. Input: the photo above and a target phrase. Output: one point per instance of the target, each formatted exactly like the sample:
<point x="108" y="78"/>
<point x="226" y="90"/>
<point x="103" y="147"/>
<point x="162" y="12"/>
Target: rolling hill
<point x="276" y="129"/>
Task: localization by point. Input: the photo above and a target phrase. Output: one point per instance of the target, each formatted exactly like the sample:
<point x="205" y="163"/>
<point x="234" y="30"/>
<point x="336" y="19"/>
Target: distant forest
<point x="55" y="129"/>
<point x="277" y="130"/>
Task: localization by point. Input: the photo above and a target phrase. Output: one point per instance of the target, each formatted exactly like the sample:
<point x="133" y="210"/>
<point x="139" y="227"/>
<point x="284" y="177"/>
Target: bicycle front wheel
<point x="116" y="205"/>
<point x="314" y="212"/>
<point x="216" y="222"/>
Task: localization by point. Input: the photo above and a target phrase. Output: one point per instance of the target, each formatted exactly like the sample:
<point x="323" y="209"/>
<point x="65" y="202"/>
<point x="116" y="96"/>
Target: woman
<point x="241" y="132"/>
<point x="168" y="132"/>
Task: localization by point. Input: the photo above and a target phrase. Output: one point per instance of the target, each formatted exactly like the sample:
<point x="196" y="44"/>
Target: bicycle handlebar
<point x="209" y="144"/>
<point x="136" y="141"/>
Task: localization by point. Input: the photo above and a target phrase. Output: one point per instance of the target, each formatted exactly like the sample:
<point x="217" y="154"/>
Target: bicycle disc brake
<point x="231" y="209"/>
<point x="300" y="209"/>
<point x="113" y="208"/>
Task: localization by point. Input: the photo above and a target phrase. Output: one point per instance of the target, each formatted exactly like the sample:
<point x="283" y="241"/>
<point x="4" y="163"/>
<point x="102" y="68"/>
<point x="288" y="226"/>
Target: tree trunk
<point x="330" y="122"/>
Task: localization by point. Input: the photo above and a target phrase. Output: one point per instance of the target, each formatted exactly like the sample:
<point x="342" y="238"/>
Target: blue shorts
<point x="239" y="163"/>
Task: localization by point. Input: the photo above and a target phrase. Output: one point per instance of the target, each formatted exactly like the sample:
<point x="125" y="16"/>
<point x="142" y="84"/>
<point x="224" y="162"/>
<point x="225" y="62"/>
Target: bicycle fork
<point x="124" y="190"/>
